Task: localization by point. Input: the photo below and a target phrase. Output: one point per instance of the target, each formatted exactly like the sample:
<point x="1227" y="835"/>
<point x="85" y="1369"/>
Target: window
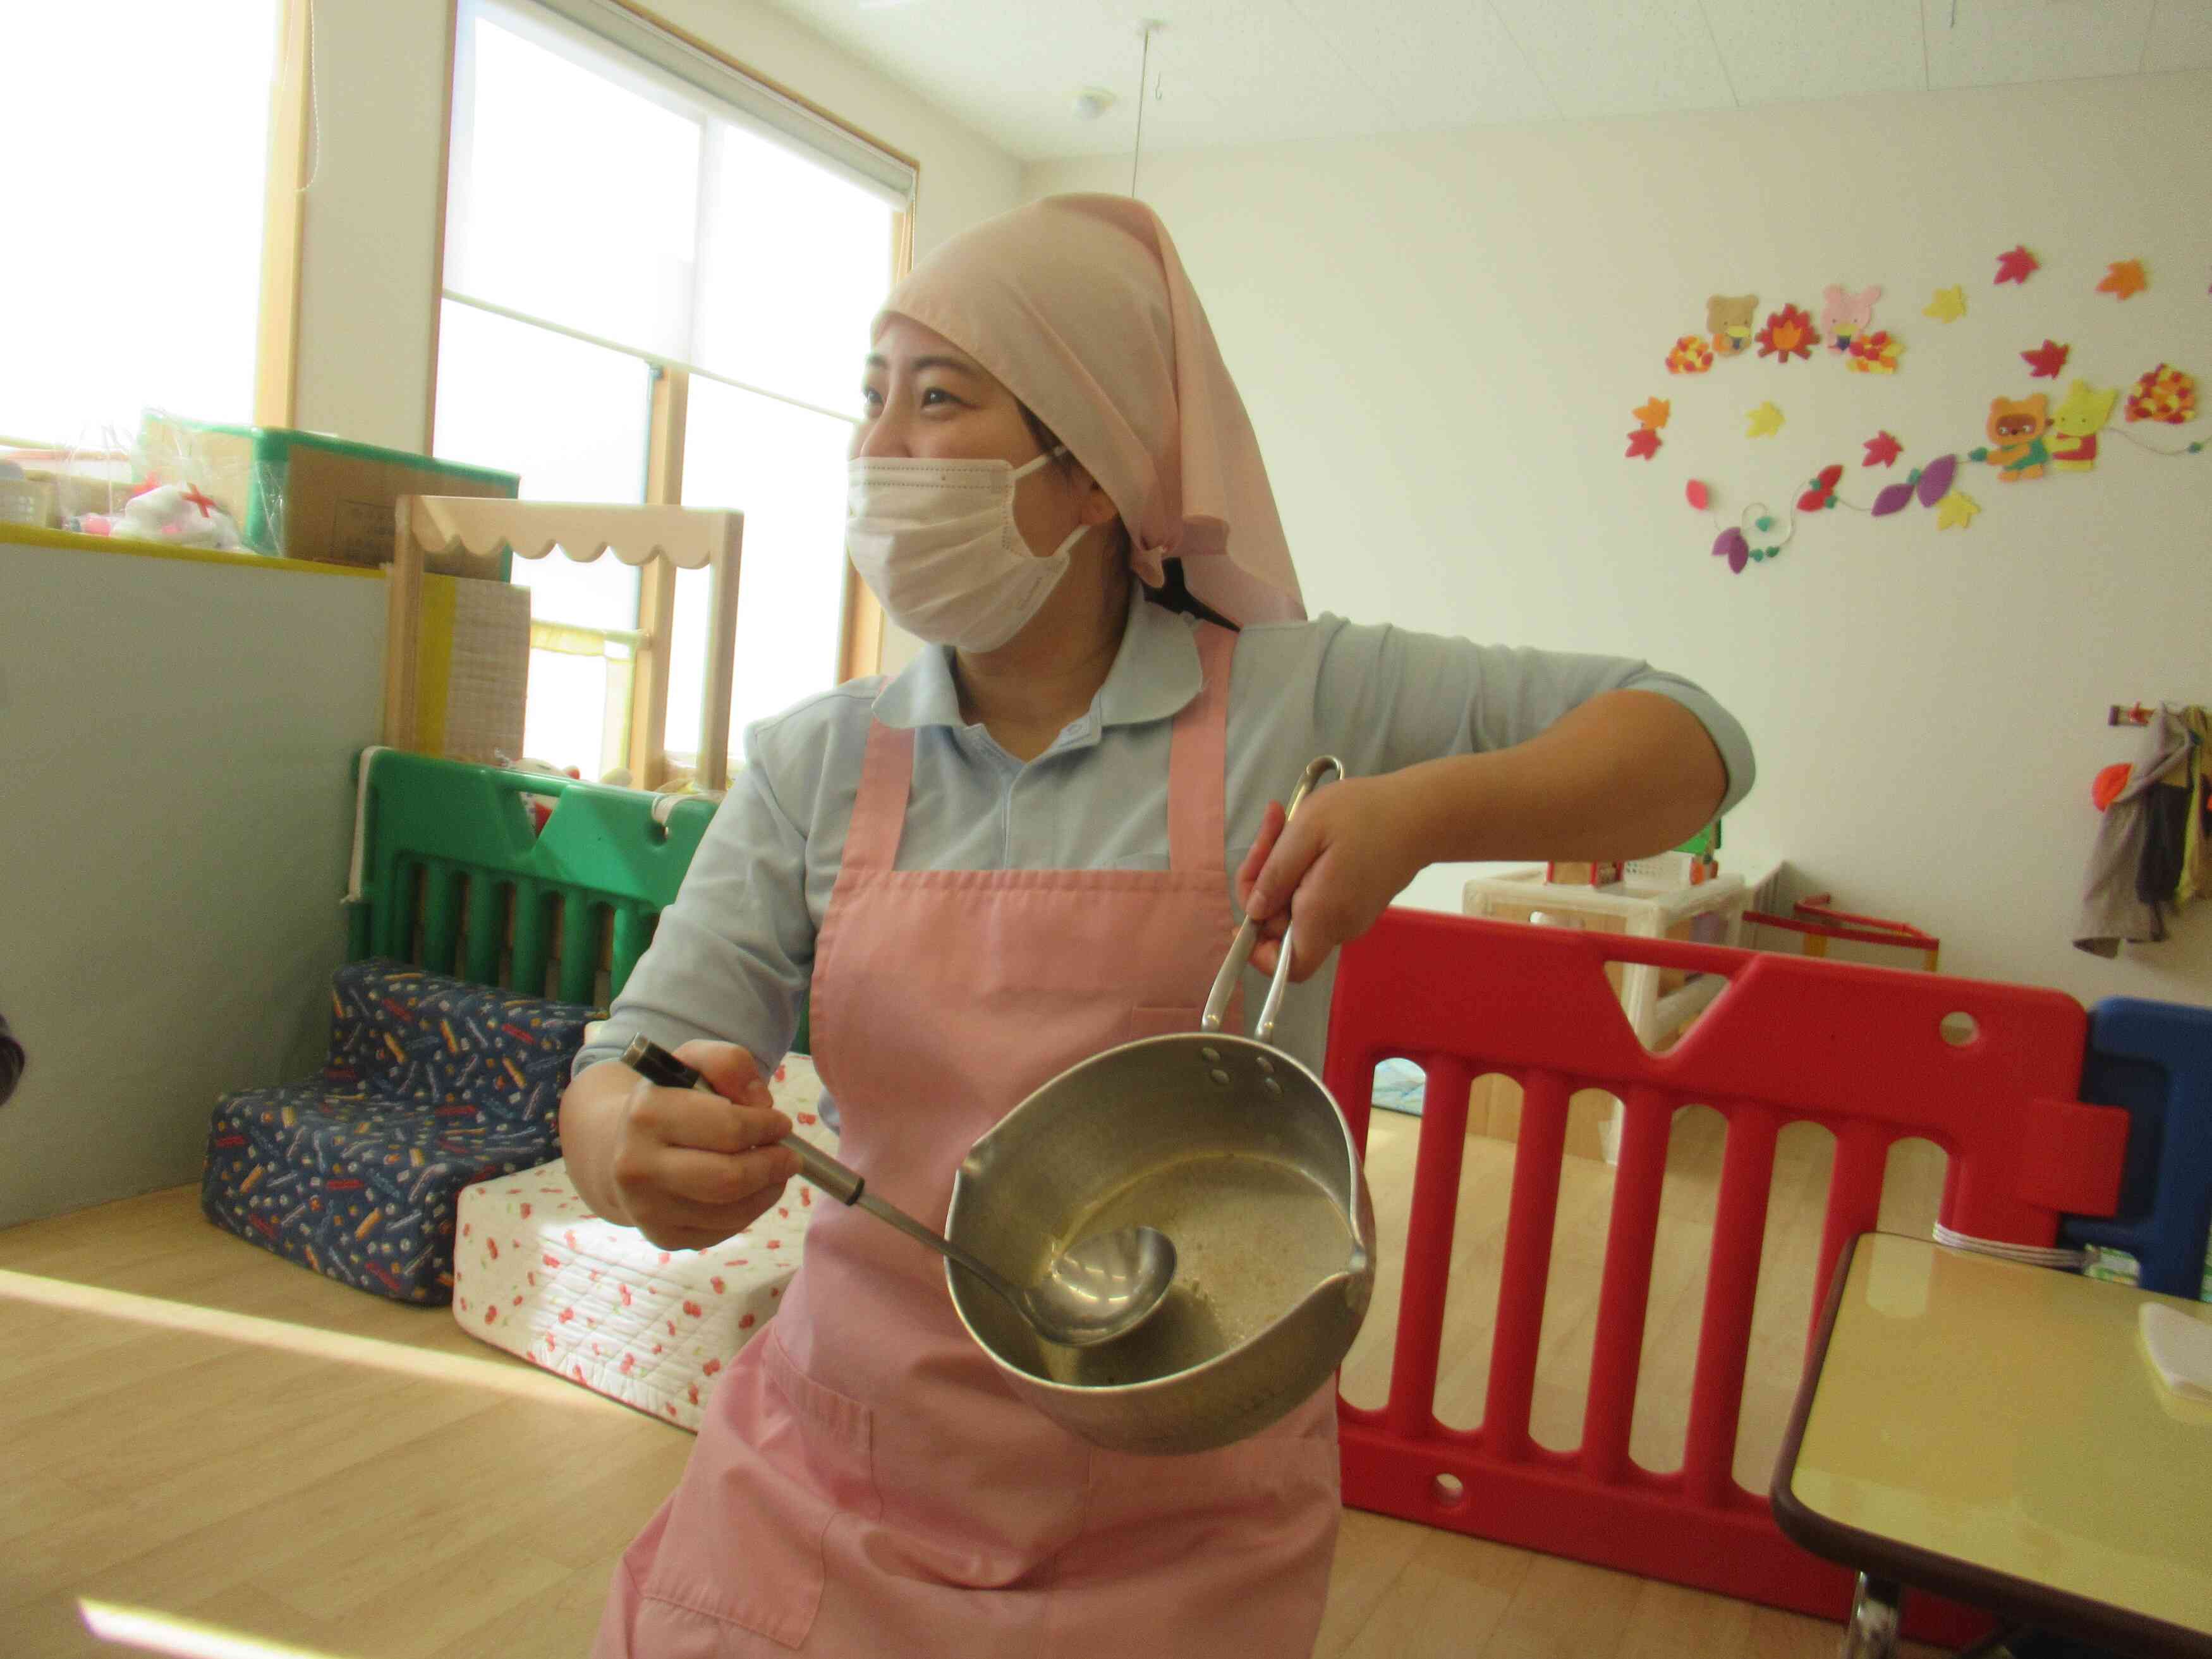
<point x="133" y="276"/>
<point x="658" y="281"/>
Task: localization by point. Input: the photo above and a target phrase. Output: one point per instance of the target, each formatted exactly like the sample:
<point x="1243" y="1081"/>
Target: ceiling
<point x="1255" y="71"/>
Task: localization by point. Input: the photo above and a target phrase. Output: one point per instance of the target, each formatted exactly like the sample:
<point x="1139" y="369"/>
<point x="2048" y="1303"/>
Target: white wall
<point x="1442" y="336"/>
<point x="369" y="289"/>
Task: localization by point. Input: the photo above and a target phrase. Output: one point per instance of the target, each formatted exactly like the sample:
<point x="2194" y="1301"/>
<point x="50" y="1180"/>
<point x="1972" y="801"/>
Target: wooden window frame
<point x="283" y="219"/>
<point x="861" y="621"/>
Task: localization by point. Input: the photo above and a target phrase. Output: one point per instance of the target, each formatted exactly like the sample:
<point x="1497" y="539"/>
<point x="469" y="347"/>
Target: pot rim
<point x="1357" y="1222"/>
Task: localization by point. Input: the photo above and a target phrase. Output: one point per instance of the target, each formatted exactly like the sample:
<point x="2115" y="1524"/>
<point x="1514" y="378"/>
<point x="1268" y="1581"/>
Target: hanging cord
<point x="314" y="106"/>
<point x="1144" y="80"/>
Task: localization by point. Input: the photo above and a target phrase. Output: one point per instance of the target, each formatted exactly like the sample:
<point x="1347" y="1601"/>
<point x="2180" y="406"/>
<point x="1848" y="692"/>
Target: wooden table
<point x="1995" y="1432"/>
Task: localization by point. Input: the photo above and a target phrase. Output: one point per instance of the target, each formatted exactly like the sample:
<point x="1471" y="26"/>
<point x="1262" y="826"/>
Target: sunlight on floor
<point x="505" y="1376"/>
<point x="186" y="1639"/>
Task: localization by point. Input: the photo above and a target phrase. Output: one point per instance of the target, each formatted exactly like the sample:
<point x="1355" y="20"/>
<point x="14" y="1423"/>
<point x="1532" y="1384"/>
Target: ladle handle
<point x="656" y="1065"/>
<point x="1247" y="936"/>
<point x="842" y="1182"/>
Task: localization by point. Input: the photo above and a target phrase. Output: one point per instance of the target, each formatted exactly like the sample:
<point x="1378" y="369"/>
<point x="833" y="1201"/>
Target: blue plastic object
<point x="2154" y="1058"/>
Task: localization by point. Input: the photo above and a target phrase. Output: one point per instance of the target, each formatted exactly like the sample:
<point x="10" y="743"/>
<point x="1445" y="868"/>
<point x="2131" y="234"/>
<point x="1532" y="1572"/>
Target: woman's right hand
<point x="692" y="1169"/>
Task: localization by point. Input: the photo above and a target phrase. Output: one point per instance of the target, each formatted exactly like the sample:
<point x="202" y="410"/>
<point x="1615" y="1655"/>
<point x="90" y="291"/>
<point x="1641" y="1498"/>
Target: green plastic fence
<point x="455" y="879"/>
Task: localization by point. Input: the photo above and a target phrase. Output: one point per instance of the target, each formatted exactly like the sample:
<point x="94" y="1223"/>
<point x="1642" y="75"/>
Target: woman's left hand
<point x="1351" y="850"/>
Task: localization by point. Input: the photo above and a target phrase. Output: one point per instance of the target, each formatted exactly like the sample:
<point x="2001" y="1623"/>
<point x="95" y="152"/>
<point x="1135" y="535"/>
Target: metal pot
<point x="1242" y="1157"/>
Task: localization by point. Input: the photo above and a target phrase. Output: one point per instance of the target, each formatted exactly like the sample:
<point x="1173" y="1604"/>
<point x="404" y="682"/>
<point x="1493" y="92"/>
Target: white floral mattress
<point x="536" y="1273"/>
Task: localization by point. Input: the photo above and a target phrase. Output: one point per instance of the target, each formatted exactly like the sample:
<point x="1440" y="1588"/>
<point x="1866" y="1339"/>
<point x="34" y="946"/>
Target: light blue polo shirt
<point x="732" y="954"/>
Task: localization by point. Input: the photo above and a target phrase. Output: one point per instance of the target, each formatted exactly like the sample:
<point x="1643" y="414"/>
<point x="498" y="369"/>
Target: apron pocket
<point x="780" y="1459"/>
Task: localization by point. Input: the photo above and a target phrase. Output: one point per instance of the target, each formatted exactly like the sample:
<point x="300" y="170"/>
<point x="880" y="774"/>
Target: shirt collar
<point x="1155" y="675"/>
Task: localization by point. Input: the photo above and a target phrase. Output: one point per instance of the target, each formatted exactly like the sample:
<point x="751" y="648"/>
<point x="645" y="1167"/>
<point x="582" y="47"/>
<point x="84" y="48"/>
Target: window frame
<point x="861" y="621"/>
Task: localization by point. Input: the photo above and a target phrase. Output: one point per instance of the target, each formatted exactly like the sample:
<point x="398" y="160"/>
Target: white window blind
<point x="138" y="138"/>
<point x="615" y="209"/>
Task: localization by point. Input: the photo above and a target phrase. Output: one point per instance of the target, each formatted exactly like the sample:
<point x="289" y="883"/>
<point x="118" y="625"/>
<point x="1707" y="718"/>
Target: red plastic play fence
<point x="1862" y="1051"/>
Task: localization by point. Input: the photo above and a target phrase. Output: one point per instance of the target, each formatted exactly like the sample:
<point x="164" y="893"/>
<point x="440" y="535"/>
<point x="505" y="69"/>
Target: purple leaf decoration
<point x="1936" y="482"/>
<point x="1731" y="546"/>
<point x="1893" y="498"/>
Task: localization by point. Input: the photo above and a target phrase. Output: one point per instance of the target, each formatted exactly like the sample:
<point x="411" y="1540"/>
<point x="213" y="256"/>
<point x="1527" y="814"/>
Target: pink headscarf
<point x="1079" y="306"/>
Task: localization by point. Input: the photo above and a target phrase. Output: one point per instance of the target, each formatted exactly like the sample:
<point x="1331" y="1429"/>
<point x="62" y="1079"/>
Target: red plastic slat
<point x="1857" y="1049"/>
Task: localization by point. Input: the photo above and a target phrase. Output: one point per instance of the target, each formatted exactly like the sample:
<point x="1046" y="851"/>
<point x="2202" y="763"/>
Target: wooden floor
<point x="192" y="1430"/>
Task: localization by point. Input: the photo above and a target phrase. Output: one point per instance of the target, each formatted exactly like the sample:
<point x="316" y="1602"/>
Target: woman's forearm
<point x="1624" y="776"/>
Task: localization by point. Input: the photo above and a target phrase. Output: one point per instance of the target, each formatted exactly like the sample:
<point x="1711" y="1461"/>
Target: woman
<point x="1014" y="855"/>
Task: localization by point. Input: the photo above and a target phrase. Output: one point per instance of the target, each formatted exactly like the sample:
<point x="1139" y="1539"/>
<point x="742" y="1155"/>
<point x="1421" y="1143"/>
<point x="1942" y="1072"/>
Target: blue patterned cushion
<point x="431" y="1085"/>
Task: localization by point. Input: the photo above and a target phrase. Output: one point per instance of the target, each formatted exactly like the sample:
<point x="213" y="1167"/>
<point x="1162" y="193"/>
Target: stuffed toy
<point x="178" y="514"/>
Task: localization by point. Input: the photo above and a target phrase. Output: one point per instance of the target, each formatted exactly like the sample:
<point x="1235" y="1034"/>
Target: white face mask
<point x="936" y="543"/>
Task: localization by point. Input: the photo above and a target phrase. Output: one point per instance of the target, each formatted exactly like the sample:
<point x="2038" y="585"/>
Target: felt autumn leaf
<point x="2047" y="361"/>
<point x="2126" y="279"/>
<point x="1655" y="413"/>
<point x="1882" y="450"/>
<point x="1764" y="422"/>
<point x="2017" y="265"/>
<point x="1698" y="494"/>
<point x="1789" y="333"/>
<point x="1957" y="512"/>
<point x="1947" y="307"/>
<point x="1642" y="444"/>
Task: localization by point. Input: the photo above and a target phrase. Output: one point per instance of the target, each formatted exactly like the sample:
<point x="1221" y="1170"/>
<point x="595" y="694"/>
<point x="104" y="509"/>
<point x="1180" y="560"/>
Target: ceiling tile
<point x="2181" y="36"/>
<point x="1993" y="42"/>
<point x="1620" y="57"/>
<point x="1248" y="71"/>
<point x="1436" y="62"/>
<point x="1824" y="51"/>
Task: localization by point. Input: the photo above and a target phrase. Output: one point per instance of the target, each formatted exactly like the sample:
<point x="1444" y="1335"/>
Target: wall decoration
<point x="1728" y="321"/>
<point x="1755" y="539"/>
<point x="1957" y="512"/>
<point x="1789" y="333"/>
<point x="1821" y="495"/>
<point x="2032" y="436"/>
<point x="1691" y="354"/>
<point x="1844" y="315"/>
<point x="1643" y="442"/>
<point x="1929" y="484"/>
<point x="1947" y="307"/>
<point x="2164" y="394"/>
<point x="1875" y="354"/>
<point x="2126" y="279"/>
<point x="2016" y="426"/>
<point x="2075" y="423"/>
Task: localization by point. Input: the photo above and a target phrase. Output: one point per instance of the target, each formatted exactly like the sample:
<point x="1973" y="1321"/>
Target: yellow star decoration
<point x="1957" y="512"/>
<point x="1765" y="422"/>
<point x="1947" y="307"/>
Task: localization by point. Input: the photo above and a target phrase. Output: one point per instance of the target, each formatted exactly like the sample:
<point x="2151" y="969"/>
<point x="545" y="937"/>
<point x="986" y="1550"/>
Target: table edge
<point x="1917" y="1569"/>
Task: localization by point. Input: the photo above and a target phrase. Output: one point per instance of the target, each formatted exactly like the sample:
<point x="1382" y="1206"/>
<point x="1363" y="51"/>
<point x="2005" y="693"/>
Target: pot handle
<point x="1247" y="936"/>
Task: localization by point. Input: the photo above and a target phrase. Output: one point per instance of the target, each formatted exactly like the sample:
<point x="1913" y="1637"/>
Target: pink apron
<point x="865" y="1486"/>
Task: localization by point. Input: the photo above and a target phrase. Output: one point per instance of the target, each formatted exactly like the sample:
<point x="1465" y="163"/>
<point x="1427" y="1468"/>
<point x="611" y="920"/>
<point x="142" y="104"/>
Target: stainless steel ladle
<point x="1102" y="1287"/>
